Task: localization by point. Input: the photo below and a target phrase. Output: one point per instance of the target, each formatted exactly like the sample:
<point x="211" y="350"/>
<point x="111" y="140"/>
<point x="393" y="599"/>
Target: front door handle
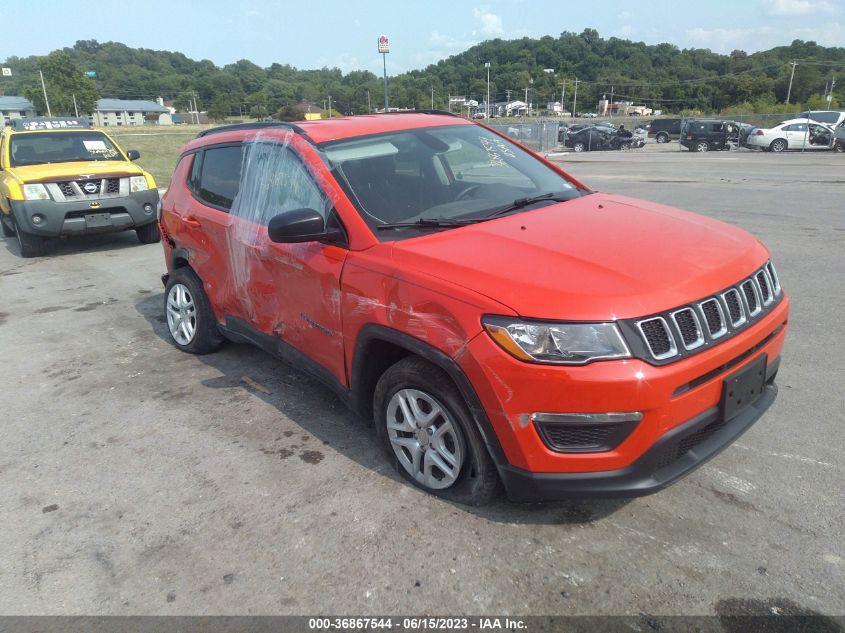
<point x="191" y="221"/>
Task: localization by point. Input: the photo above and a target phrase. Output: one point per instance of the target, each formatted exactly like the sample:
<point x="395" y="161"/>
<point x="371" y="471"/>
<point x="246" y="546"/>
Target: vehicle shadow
<point x="318" y="412"/>
<point x="82" y="244"/>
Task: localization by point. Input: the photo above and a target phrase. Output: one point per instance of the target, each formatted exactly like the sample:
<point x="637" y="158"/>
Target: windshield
<point x="460" y="172"/>
<point x="61" y="147"/>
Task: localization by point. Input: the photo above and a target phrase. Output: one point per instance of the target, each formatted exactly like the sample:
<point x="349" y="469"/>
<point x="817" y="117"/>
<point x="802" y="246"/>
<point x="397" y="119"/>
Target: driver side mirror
<point x="301" y="225"/>
<point x="133" y="154"/>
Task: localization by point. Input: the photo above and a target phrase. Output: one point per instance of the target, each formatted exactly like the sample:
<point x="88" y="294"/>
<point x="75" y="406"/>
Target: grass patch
<point x="159" y="146"/>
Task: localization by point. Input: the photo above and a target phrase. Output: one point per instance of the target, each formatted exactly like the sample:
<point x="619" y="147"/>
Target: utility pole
<point x="791" y="76"/>
<point x="369" y="107"/>
<point x="75" y="109"/>
<point x="575" y="98"/>
<point x="487" y="66"/>
<point x="611" y="103"/>
<point x="830" y="94"/>
<point x="330" y="106"/>
<point x="44" y="90"/>
<point x="563" y="97"/>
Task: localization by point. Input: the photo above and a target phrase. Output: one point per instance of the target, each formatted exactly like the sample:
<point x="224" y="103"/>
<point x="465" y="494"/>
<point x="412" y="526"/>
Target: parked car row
<point x="811" y="130"/>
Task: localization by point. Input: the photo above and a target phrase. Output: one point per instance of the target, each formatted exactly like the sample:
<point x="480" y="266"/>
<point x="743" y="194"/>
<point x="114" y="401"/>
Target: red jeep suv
<point x="500" y="322"/>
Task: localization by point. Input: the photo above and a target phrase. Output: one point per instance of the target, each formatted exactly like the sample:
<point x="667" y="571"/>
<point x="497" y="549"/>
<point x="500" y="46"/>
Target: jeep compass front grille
<point x="673" y="334"/>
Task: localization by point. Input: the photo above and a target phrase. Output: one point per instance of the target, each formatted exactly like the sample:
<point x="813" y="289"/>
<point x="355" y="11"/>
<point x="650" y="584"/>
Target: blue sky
<point x="343" y="33"/>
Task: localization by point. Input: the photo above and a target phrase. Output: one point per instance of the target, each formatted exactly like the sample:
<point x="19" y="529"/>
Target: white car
<point x="792" y="134"/>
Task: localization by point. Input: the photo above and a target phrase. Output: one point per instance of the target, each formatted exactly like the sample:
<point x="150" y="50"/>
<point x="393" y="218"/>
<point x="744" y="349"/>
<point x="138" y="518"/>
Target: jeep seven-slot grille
<point x="711" y="318"/>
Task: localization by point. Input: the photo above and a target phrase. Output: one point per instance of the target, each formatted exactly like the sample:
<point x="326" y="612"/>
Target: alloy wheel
<point x="181" y="314"/>
<point x="425" y="438"/>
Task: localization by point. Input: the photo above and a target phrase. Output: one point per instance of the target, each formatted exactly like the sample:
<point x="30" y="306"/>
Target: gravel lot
<point x="135" y="479"/>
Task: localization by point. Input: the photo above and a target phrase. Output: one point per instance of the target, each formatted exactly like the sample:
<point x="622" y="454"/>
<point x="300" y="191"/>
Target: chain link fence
<point x="541" y="136"/>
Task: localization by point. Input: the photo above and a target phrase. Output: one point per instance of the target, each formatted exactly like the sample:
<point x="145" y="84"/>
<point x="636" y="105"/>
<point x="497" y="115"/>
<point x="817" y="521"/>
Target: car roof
<point x="801" y="120"/>
<point x="337" y="128"/>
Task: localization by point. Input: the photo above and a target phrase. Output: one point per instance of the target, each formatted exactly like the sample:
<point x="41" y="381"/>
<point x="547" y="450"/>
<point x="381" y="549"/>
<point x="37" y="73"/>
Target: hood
<point x="599" y="257"/>
<point x="51" y="172"/>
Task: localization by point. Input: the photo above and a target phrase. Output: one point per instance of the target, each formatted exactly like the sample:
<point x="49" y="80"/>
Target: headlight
<point x="35" y="192"/>
<point x="137" y="183"/>
<point x="560" y="343"/>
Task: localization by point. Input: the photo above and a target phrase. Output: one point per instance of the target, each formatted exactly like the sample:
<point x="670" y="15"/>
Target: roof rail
<point x="253" y="126"/>
<point x="439" y="112"/>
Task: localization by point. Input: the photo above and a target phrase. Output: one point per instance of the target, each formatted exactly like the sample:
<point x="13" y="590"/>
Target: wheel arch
<point x="377" y="347"/>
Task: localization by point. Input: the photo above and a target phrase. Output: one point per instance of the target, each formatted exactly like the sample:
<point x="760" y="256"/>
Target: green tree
<point x="64" y="79"/>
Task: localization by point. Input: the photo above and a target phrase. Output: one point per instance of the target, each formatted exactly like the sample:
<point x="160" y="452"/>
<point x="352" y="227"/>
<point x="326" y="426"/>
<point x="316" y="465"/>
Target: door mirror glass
<point x="133" y="154"/>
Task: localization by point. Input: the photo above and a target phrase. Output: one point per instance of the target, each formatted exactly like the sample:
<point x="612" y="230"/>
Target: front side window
<point x="276" y="181"/>
<point x="61" y="147"/>
<point x="451" y="173"/>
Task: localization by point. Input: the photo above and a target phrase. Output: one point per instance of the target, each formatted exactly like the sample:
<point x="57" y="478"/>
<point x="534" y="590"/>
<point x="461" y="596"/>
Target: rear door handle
<point x="191" y="221"/>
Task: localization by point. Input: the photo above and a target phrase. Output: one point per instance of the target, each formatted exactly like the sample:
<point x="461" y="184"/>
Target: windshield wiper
<point x="428" y="223"/>
<point x="519" y="203"/>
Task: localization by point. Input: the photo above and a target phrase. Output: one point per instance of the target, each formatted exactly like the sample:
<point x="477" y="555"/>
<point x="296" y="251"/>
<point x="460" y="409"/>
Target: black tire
<point x="29" y="245"/>
<point x="149" y="233"/>
<point x="662" y="137"/>
<point x="206" y="337"/>
<point x="839" y="147"/>
<point x="579" y="147"/>
<point x="478" y="481"/>
<point x="778" y="145"/>
<point x="6" y="223"/>
<point x="702" y="146"/>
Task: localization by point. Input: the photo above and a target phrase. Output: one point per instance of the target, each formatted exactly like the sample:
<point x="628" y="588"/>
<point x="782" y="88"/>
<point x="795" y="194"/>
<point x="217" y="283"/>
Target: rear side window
<point x="216" y="174"/>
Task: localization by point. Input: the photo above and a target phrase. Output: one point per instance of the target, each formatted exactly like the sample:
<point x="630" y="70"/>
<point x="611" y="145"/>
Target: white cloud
<point x="763" y="37"/>
<point x="489" y="23"/>
<point x="798" y="7"/>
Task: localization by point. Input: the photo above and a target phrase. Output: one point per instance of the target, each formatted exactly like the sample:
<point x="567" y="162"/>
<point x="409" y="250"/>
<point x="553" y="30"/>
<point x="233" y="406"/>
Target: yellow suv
<point x="60" y="177"/>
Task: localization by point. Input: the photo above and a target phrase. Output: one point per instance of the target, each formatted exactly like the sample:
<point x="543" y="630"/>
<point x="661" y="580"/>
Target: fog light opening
<point x="38" y="219"/>
<point x="148" y="208"/>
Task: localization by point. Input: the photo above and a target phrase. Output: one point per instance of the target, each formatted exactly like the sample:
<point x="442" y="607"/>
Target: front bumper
<point x="672" y="398"/>
<point x="68" y="218"/>
<point x="668" y="460"/>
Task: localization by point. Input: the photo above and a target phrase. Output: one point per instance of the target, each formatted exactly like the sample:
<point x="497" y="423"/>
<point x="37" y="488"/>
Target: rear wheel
<point x="149" y="233"/>
<point x="778" y="145"/>
<point x="702" y="146"/>
<point x="429" y="434"/>
<point x="662" y="137"/>
<point x="190" y="320"/>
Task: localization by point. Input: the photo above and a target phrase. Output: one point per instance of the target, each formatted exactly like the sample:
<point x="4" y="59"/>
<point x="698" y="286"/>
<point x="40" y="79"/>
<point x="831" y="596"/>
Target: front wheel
<point x="429" y="434"/>
<point x="149" y="233"/>
<point x="190" y="320"/>
<point x="6" y="223"/>
<point x="30" y="245"/>
<point x="579" y="147"/>
<point x="839" y="147"/>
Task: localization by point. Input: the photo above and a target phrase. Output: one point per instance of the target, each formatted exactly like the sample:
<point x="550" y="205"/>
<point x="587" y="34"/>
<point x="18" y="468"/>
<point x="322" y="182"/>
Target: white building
<point x="15" y="108"/>
<point x="113" y="112"/>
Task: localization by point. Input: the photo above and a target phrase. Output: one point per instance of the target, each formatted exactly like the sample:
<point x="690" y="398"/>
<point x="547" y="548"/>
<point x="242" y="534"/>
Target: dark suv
<point x="664" y="130"/>
<point x="704" y="135"/>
